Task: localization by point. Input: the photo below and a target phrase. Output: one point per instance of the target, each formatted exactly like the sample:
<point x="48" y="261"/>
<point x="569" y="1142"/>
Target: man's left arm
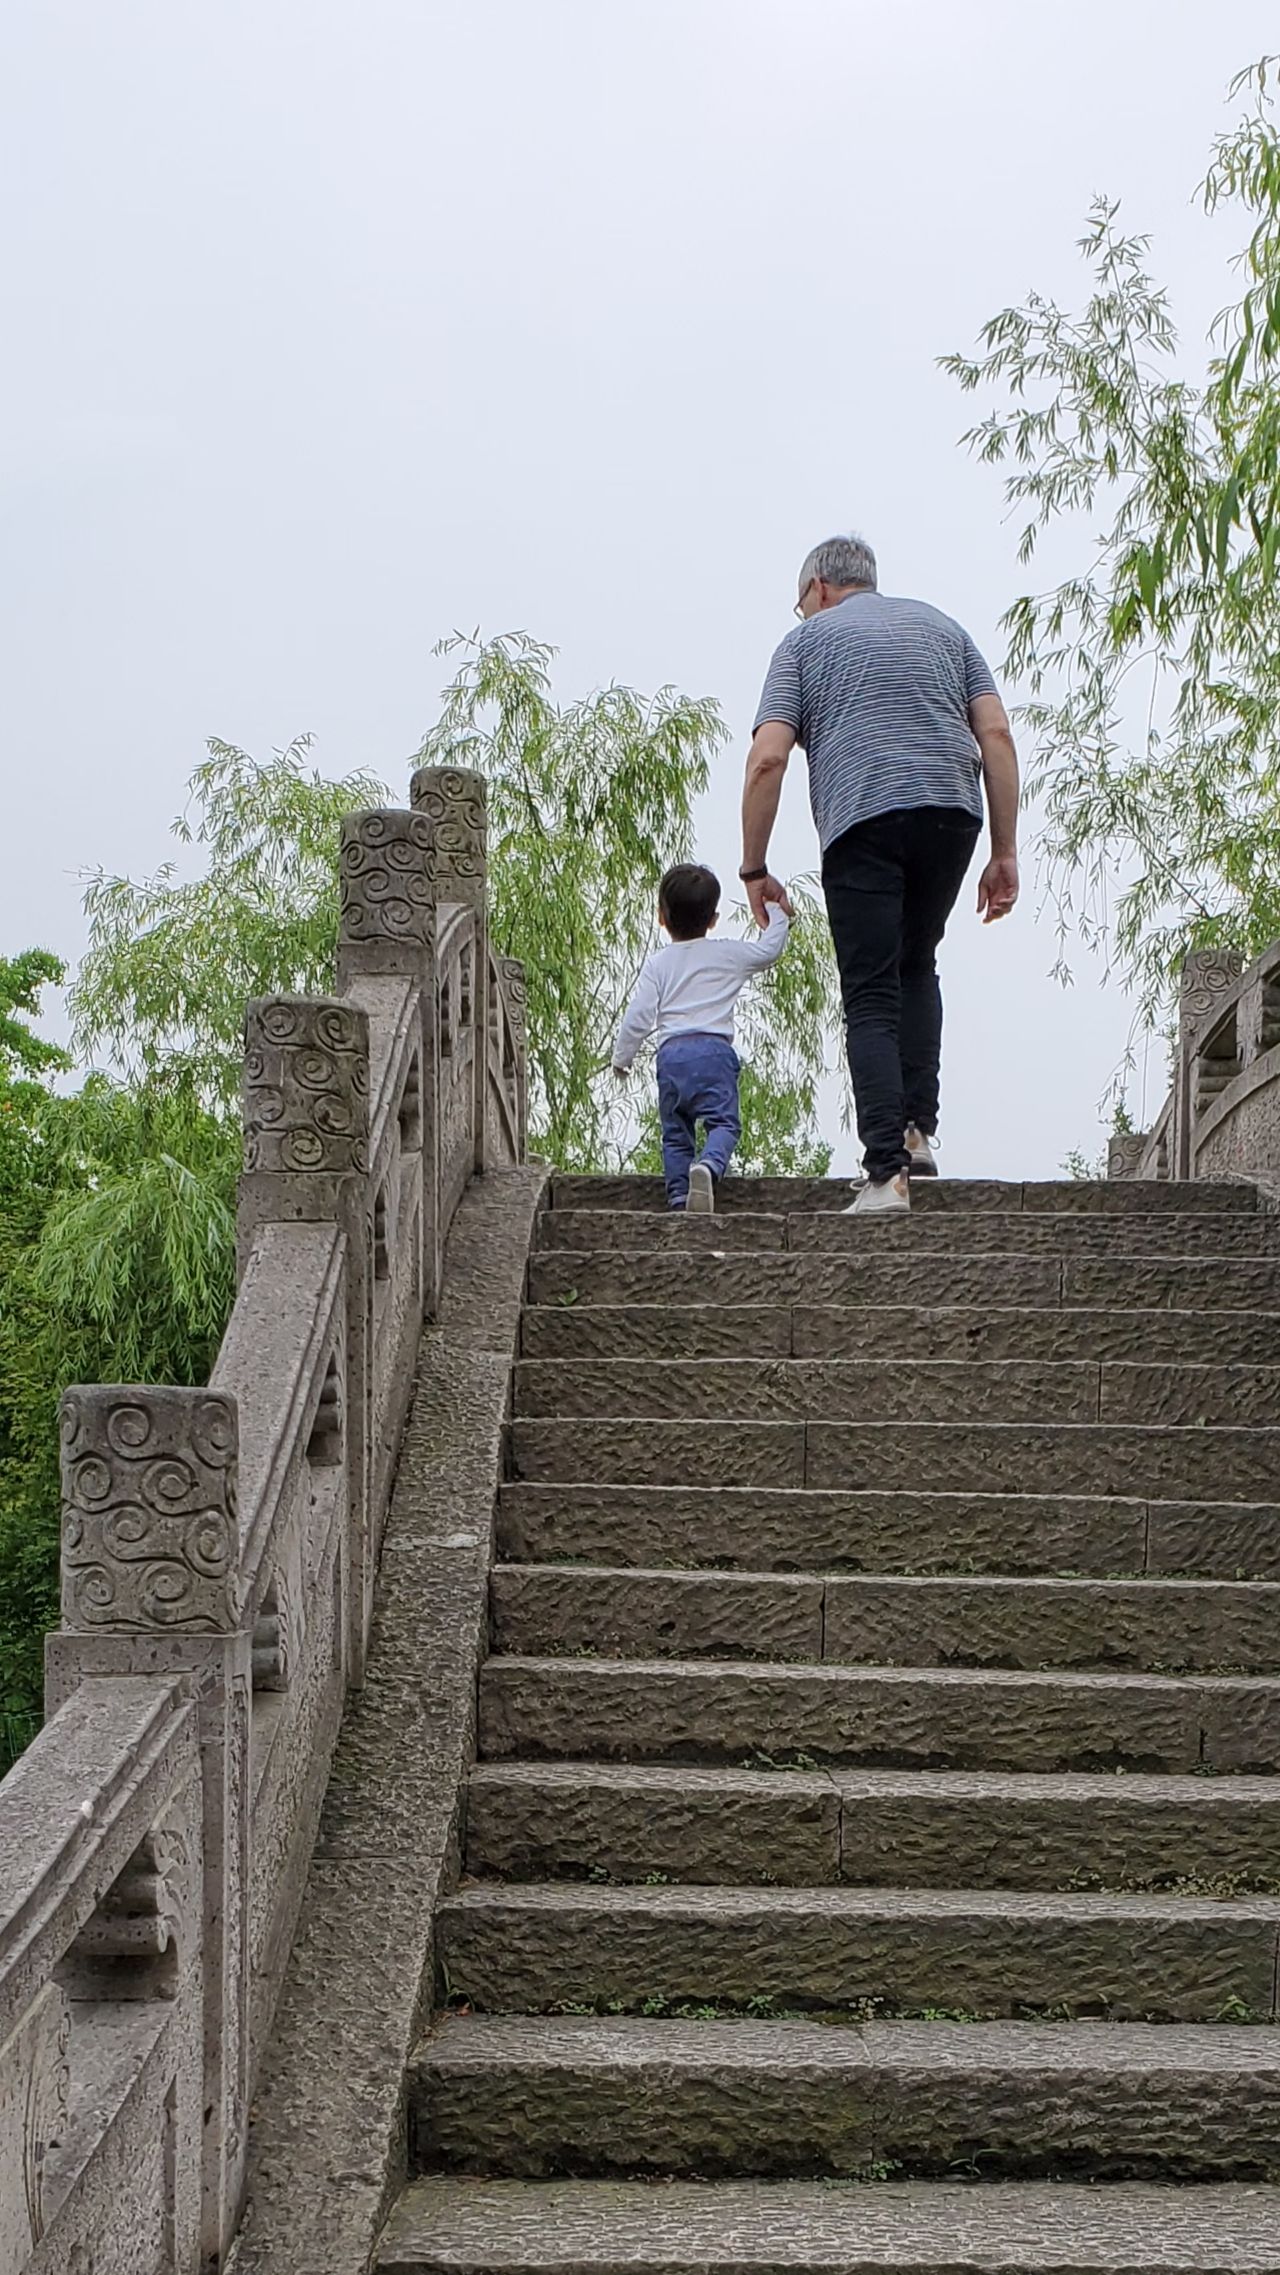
<point x="771" y="748"/>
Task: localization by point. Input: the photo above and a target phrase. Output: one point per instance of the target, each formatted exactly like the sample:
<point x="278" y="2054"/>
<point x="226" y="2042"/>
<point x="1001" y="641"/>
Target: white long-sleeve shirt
<point x="691" y="986"/>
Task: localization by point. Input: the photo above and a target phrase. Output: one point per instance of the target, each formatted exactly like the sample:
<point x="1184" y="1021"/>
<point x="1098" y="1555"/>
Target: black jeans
<point x="890" y="885"/>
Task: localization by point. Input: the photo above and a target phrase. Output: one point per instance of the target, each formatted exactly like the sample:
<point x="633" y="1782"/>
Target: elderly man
<point x="899" y="718"/>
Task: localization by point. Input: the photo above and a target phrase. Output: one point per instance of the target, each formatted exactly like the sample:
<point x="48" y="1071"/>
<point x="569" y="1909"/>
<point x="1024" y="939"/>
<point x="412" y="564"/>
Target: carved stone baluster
<point x="1208" y="975"/>
<point x="516" y="994"/>
<point x="151" y="1585"/>
<point x="455" y="802"/>
<point x="306" y="1161"/>
<point x="387" y="924"/>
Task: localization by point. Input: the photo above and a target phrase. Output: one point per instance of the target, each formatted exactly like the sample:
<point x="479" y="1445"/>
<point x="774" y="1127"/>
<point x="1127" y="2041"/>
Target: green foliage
<point x="1154" y="670"/>
<point x="588" y="804"/>
<point x="172" y="962"/>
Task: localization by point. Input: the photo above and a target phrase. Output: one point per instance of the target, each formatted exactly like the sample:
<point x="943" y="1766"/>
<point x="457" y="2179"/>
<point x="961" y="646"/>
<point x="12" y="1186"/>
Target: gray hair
<point x="839" y="561"/>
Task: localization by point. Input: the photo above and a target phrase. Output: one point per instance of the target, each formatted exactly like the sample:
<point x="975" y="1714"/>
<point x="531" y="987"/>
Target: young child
<point x="686" y="994"/>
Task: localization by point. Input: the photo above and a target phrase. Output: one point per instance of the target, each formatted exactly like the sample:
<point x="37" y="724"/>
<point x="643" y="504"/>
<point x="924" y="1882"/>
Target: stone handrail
<point x="1222" y="1116"/>
<point x="220" y="1547"/>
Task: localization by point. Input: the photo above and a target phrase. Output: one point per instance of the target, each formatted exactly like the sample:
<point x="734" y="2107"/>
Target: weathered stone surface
<point x="1222" y="1540"/>
<point x="454" y="800"/>
<point x="1170" y="1626"/>
<point x="656" y="1330"/>
<point x="465" y="2227"/>
<point x="545" y="1609"/>
<point x="387" y="887"/>
<point x="1240" y="1722"/>
<point x="149" y="1527"/>
<point x="1184" y="1283"/>
<point x="306" y="1086"/>
<point x="644" y="1452"/>
<point x="846" y="1529"/>
<point x="1107" y="1458"/>
<point x="883" y="1278"/>
<point x="610" y="1710"/>
<point x="556" y="1820"/>
<point x="987" y="1830"/>
<point x="1072" y="1235"/>
<point x="526" y="2097"/>
<point x="927" y="1390"/>
<point x="586" y="1229"/>
<point x="1107" y="1197"/>
<point x="986" y="1953"/>
<point x="328" y="2145"/>
<point x="841" y="1331"/>
<point x="784" y="1195"/>
<point x="1160" y="1392"/>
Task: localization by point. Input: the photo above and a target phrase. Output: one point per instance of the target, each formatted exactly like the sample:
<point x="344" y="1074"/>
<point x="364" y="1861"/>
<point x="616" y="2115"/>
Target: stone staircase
<point x="873" y="1860"/>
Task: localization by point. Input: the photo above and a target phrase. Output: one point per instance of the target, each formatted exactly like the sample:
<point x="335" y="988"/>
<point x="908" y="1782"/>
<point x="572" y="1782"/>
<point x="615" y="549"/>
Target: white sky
<point x="331" y="326"/>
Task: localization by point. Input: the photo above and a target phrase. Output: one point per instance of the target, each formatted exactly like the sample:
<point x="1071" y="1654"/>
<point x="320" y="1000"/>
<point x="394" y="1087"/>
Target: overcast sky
<point x="333" y="324"/>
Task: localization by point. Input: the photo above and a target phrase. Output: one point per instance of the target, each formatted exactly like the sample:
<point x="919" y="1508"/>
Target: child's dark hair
<point x="688" y="899"/>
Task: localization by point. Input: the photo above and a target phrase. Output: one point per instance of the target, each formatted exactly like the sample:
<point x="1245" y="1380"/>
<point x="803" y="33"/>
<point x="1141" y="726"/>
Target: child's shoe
<point x="702" y="1191"/>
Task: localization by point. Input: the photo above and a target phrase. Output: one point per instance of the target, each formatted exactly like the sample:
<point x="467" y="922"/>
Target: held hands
<point x="620" y="1073"/>
<point x="760" y="892"/>
<point x="998" y="887"/>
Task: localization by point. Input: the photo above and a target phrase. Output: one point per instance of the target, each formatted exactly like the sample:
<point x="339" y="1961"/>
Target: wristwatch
<point x="751" y="876"/>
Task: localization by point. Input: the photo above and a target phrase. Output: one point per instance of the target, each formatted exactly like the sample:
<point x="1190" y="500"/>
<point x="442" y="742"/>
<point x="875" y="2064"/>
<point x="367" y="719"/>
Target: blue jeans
<point x="697" y="1082"/>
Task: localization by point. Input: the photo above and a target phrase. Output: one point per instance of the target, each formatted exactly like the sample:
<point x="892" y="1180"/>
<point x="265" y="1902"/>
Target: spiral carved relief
<point x="1125" y="1152"/>
<point x="387" y="876"/>
<point x="454" y="802"/>
<point x="149" y="1532"/>
<point x="1208" y="976"/>
<point x="515" y="993"/>
<point x="306" y="1086"/>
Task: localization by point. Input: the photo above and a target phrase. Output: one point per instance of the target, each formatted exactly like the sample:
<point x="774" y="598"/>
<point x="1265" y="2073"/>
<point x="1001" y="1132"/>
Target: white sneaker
<point x="702" y="1191"/>
<point x="923" y="1162"/>
<point x="882" y="1200"/>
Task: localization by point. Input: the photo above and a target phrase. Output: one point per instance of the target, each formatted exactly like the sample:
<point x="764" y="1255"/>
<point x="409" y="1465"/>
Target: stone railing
<point x="1222" y="1116"/>
<point x="219" y="1553"/>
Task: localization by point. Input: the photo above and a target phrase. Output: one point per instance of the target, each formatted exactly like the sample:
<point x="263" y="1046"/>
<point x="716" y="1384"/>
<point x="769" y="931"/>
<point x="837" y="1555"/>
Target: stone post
<point x="1207" y="975"/>
<point x="1124" y="1153"/>
<point x="456" y="804"/>
<point x="151" y="1585"/>
<point x="306" y="1161"/>
<point x="387" y="924"/>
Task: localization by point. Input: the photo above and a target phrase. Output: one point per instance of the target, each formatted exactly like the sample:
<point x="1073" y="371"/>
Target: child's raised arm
<point x="767" y="946"/>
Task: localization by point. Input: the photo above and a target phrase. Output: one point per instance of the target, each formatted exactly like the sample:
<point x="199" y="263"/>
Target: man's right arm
<point x="998" y="884"/>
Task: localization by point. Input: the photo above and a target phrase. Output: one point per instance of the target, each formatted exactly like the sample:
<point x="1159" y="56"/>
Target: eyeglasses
<point x="798" y="610"/>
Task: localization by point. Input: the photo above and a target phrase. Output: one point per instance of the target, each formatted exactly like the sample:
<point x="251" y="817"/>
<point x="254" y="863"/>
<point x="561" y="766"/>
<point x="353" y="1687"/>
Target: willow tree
<point x="1153" y="669"/>
<point x="589" y="802"/>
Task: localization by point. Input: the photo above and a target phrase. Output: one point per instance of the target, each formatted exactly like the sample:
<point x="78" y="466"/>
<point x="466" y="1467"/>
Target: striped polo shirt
<point x="878" y="692"/>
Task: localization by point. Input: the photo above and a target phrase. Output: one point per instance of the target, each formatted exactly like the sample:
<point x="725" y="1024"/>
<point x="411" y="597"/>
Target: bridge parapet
<point x="1222" y="1115"/>
<point x="219" y="1553"/>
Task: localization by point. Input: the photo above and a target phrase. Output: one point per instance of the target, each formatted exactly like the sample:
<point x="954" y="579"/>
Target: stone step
<point x="524" y="2097"/>
<point x="792" y="1529"/>
<point x="1107" y="1197"/>
<point x="852" y="1952"/>
<point x="843" y="1331"/>
<point x="876" y="1828"/>
<point x="897" y="1456"/>
<point x="909" y="1277"/>
<point x="1170" y="1626"/>
<point x="969" y="1233"/>
<point x="908" y="1388"/>
<point x="875" y="1717"/>
<point x="470" y="2227"/>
